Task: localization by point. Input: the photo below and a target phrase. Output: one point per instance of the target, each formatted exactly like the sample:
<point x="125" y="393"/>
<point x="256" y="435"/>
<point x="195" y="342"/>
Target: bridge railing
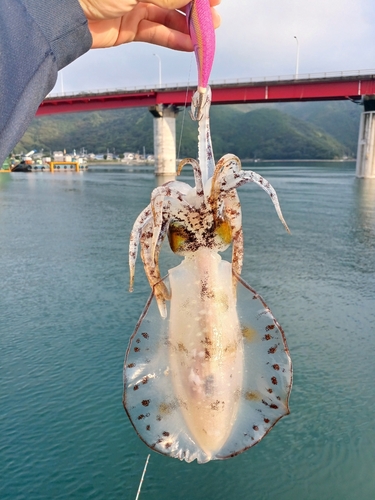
<point x="213" y="83"/>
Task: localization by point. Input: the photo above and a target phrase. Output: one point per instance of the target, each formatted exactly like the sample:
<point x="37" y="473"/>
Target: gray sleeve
<point x="37" y="38"/>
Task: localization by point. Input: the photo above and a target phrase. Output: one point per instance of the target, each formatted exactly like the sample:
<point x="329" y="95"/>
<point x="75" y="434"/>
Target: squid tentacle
<point x="227" y="164"/>
<point x="237" y="179"/>
<point x="161" y="204"/>
<point x="152" y="270"/>
<point x="197" y="174"/>
<point x="232" y="211"/>
<point x="143" y="218"/>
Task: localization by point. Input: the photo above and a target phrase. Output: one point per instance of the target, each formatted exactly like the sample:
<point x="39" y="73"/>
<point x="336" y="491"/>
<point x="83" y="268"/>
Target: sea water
<point x="66" y="316"/>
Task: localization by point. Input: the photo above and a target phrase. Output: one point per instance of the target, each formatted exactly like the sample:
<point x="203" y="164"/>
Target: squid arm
<point x="142" y="220"/>
<point x="197" y="174"/>
<point x="235" y="180"/>
<point x="162" y="203"/>
<point x="151" y="265"/>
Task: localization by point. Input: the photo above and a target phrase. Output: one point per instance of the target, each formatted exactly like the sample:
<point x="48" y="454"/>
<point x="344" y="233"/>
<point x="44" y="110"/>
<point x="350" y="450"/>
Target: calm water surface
<point x="66" y="317"/>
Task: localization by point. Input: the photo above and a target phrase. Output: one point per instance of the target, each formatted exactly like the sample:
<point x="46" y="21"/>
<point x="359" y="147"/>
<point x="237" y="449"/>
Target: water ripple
<point x="66" y="317"/>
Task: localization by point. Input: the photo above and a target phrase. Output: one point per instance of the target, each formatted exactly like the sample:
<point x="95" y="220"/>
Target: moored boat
<point x="22" y="166"/>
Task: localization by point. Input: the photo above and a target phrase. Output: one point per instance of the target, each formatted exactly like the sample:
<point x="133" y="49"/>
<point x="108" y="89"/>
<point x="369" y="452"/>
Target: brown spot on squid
<point x="252" y="396"/>
<point x="249" y="333"/>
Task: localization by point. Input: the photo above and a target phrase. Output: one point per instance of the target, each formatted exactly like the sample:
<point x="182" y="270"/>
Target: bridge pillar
<point x="164" y="138"/>
<point x="365" y="166"/>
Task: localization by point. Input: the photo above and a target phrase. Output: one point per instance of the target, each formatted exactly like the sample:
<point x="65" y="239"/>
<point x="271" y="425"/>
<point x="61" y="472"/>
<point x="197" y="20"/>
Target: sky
<point x="256" y="39"/>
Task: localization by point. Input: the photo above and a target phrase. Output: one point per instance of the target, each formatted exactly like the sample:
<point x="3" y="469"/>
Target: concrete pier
<point x="365" y="166"/>
<point x="164" y="138"/>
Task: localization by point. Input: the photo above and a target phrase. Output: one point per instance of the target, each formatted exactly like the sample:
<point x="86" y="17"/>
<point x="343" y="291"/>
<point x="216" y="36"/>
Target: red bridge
<point x="327" y="86"/>
<point x="164" y="102"/>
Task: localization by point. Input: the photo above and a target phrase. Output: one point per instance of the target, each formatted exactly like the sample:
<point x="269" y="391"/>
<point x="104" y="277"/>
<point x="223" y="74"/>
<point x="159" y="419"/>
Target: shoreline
<point x="245" y="160"/>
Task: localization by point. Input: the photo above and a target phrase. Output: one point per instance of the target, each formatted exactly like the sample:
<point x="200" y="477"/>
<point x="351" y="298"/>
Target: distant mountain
<point x="271" y="134"/>
<point x="274" y="131"/>
<point x="120" y="129"/>
<point x="340" y="119"/>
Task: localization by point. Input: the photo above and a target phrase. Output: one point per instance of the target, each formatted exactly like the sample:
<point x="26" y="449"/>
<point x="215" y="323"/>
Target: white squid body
<point x="207" y="371"/>
<point x="205" y="351"/>
<point x="212" y="378"/>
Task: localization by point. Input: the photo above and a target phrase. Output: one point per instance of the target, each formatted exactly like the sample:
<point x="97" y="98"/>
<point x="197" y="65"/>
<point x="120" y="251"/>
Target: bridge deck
<point x="303" y="89"/>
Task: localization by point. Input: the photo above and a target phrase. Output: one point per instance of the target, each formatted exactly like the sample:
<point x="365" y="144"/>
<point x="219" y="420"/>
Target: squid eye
<point x="177" y="236"/>
<point x="224" y="231"/>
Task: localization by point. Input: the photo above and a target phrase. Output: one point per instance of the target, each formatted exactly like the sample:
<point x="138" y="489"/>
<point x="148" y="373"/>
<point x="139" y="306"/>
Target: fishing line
<point x="143" y="475"/>
<point x="184" y="113"/>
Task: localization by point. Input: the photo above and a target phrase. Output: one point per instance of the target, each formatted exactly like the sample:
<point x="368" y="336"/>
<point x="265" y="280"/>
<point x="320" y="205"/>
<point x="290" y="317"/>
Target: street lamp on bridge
<point x="61" y="81"/>
<point x="297" y="59"/>
<point x="156" y="55"/>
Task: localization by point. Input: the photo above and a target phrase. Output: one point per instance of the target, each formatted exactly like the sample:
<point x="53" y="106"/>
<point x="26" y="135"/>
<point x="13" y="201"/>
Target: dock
<point x="53" y="166"/>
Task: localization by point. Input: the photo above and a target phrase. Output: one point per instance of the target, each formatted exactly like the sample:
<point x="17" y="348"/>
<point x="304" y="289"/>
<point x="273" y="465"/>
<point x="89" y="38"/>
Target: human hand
<point x="114" y="22"/>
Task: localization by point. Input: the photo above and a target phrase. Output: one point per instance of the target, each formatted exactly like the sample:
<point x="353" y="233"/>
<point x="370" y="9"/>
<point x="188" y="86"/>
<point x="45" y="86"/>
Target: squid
<point x="207" y="371"/>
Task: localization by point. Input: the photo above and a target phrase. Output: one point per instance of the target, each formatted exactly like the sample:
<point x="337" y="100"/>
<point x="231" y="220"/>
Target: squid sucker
<point x="207" y="371"/>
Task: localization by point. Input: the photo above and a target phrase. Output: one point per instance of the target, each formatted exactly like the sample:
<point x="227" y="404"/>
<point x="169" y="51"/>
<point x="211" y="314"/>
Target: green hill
<point x="120" y="129"/>
<point x="340" y="119"/>
<point x="271" y="134"/>
<point x="283" y="131"/>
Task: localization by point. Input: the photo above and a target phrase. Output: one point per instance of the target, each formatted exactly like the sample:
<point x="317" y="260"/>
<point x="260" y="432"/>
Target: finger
<point x="105" y="33"/>
<point x="177" y="4"/>
<point x="168" y="4"/>
<point x="171" y="19"/>
<point x="215" y="16"/>
<point x="167" y="28"/>
<point x="157" y="34"/>
<point x="213" y="3"/>
<point x="133" y="27"/>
